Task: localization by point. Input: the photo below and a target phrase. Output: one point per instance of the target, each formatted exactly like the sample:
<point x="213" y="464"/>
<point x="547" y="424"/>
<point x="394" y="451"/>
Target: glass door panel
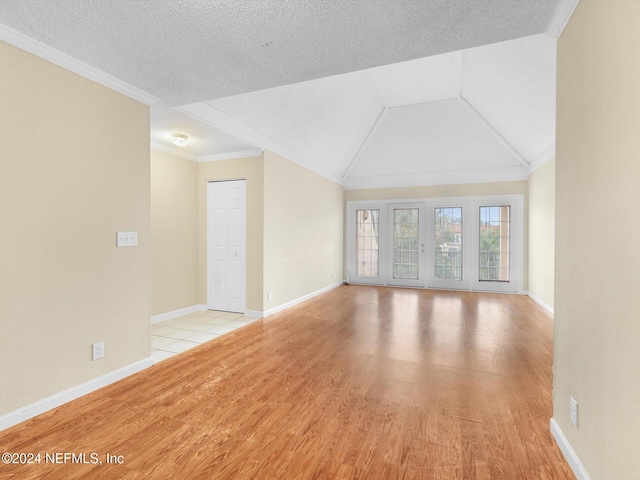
<point x="405" y="243"/>
<point x="448" y="243"/>
<point x="407" y="258"/>
<point x="448" y="262"/>
<point x="494" y="242"/>
<point x="367" y="243"/>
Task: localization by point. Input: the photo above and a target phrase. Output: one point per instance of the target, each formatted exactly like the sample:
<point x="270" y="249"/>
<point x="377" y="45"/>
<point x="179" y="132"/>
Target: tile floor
<point x="173" y="336"/>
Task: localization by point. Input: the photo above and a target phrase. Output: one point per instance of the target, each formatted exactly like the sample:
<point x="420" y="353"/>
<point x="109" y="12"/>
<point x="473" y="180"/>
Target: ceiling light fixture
<point x="179" y="139"/>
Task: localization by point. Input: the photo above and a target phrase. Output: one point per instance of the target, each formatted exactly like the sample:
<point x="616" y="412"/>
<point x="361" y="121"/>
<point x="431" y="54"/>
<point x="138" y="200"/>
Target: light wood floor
<point x="361" y="382"/>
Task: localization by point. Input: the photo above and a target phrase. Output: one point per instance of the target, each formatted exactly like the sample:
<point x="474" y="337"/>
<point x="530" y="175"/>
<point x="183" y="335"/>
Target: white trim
<point x="254" y="152"/>
<point x="567" y="450"/>
<point x="544" y="305"/>
<point x="253" y="313"/>
<point x="485" y="175"/>
<point x="492" y="130"/>
<point x="561" y="17"/>
<point x="63" y="60"/>
<point x="298" y="300"/>
<point x="161" y="317"/>
<point x="212" y="115"/>
<point x="546" y="155"/>
<point x="174" y="151"/>
<point x="29" y="411"/>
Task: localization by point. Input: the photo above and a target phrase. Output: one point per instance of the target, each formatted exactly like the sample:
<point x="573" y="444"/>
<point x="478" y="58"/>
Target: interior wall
<point x="597" y="332"/>
<point x="458" y="190"/>
<point x="74" y="170"/>
<point x="174" y="232"/>
<point x="542" y="216"/>
<point x="251" y="169"/>
<point x="303" y="231"/>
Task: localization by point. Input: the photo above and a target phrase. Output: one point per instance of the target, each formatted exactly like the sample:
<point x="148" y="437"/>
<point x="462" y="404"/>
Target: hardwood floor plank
<point x="358" y="383"/>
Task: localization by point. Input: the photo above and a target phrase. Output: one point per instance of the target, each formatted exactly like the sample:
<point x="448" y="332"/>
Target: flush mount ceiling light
<point x="179" y="139"/>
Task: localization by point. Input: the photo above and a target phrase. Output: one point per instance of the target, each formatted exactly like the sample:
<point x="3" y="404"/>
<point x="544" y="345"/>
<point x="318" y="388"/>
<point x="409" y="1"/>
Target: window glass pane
<point x="495" y="235"/>
<point x="448" y="243"/>
<point x="367" y="235"/>
<point x="405" y="243"/>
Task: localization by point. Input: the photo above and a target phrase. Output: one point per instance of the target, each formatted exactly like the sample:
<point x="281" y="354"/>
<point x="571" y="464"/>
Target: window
<point x="367" y="242"/>
<point x="448" y="243"/>
<point x="494" y="243"/>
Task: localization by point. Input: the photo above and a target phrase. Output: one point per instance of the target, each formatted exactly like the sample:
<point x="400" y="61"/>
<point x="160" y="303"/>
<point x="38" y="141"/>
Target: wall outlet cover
<point x="573" y="411"/>
<point x="97" y="350"/>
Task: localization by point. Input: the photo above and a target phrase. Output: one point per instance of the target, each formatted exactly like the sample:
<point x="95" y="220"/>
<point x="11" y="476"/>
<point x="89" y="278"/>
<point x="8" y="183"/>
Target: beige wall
<point x="251" y="169"/>
<point x="542" y="231"/>
<point x="461" y="190"/>
<point x="174" y="232"/>
<point x="303" y="214"/>
<point x="597" y="306"/>
<point x="74" y="169"/>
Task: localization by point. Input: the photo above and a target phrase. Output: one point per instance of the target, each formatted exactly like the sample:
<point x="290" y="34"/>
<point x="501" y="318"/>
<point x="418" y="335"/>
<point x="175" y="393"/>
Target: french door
<point x="462" y="243"/>
<point x="406" y="249"/>
<point x="388" y="244"/>
<point x="448" y="245"/>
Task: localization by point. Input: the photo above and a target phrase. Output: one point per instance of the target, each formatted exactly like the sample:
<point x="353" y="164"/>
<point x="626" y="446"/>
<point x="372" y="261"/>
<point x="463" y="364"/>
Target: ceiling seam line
<point x="365" y="142"/>
<point x="505" y="143"/>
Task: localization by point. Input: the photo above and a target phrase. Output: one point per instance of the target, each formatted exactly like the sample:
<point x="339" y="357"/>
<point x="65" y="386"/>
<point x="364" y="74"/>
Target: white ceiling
<point x="322" y="81"/>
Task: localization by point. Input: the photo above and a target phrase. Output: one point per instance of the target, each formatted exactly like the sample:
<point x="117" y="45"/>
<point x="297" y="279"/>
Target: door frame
<point x="209" y="246"/>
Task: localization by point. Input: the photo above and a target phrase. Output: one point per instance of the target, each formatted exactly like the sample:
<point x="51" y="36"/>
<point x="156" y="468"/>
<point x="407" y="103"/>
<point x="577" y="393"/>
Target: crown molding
<point x="561" y="17"/>
<point x="254" y="152"/>
<point x="63" y="60"/>
<point x="484" y="175"/>
<point x="547" y="154"/>
<point x="174" y="151"/>
<point x="211" y="115"/>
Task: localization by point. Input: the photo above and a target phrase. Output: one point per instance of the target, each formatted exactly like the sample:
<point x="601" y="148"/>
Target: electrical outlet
<point x="270" y="296"/>
<point x="573" y="411"/>
<point x="97" y="351"/>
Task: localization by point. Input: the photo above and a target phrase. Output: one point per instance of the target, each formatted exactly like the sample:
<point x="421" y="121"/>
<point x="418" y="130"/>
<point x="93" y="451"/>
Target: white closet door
<point x="226" y="245"/>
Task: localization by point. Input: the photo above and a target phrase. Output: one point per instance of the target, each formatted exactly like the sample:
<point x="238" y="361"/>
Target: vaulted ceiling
<point x="367" y="93"/>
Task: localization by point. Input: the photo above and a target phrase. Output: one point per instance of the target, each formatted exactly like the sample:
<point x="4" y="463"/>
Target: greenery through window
<point x="494" y="243"/>
<point x="448" y="243"/>
<point x="405" y="243"/>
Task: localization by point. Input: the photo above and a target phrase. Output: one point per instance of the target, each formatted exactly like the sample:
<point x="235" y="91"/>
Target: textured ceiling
<point x="367" y="93"/>
<point x="184" y="51"/>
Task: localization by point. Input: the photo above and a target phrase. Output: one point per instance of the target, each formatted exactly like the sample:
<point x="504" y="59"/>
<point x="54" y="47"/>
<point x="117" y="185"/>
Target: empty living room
<point x="331" y="239"/>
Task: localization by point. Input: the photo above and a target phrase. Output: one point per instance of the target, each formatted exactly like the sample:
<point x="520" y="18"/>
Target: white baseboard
<point x="298" y="300"/>
<point x="29" y="411"/>
<point x="548" y="308"/>
<point x="177" y="313"/>
<point x="253" y="313"/>
<point x="568" y="451"/>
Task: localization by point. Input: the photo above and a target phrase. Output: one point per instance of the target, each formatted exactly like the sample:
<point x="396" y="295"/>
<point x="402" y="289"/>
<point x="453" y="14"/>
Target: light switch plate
<point x="127" y="239"/>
